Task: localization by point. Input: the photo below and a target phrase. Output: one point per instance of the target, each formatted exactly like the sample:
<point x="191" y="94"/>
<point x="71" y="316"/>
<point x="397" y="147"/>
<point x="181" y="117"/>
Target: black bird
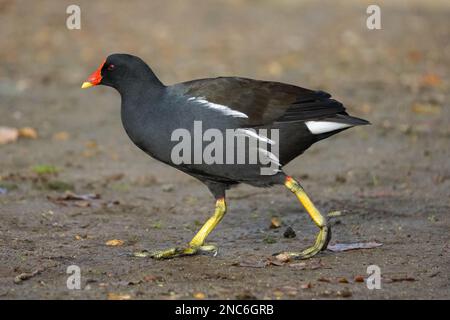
<point x="269" y="115"/>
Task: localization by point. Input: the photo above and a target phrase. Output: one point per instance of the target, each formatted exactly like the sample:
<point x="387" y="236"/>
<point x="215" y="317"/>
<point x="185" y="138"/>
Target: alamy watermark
<point x="229" y="146"/>
<point x="73" y="21"/>
<point x="74" y="280"/>
<point x="374" y="279"/>
<point x="373" y="21"/>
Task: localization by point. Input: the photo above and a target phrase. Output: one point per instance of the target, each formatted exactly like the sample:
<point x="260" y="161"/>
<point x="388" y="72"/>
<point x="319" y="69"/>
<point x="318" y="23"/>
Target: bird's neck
<point x="139" y="109"/>
<point x="140" y="93"/>
<point x="140" y="86"/>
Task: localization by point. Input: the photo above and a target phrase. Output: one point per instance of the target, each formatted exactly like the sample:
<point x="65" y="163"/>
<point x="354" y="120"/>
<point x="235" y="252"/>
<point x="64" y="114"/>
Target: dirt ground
<point x="390" y="181"/>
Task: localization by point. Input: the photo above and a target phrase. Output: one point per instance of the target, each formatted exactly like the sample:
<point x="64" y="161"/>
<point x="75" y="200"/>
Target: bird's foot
<point x="321" y="244"/>
<point x="188" y="250"/>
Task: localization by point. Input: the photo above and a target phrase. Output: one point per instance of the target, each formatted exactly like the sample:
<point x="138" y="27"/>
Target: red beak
<point x="95" y="78"/>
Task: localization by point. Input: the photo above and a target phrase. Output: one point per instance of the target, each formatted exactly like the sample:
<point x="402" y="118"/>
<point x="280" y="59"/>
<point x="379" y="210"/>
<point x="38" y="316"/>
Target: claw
<point x="209" y="248"/>
<point x="141" y="254"/>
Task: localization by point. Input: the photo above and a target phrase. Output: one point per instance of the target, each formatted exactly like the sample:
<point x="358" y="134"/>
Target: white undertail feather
<point x="224" y="109"/>
<point x="318" y="127"/>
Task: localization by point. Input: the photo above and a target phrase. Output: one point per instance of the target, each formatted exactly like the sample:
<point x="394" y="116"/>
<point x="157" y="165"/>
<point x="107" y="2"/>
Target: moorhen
<point x="284" y="118"/>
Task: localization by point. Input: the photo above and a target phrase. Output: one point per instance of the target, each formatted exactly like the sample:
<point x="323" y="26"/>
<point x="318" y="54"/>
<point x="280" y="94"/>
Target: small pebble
<point x="289" y="233"/>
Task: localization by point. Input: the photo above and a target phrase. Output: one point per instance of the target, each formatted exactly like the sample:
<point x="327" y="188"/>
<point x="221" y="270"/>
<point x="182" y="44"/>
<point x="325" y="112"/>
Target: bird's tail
<point x="327" y="127"/>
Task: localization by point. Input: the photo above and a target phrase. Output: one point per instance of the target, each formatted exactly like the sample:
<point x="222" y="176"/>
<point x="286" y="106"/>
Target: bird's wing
<point x="263" y="102"/>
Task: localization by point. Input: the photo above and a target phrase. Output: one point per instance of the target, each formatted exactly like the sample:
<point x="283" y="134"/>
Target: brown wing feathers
<point x="266" y="102"/>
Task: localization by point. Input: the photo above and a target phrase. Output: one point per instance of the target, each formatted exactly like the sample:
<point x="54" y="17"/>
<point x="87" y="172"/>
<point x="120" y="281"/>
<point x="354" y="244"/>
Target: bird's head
<point x="120" y="70"/>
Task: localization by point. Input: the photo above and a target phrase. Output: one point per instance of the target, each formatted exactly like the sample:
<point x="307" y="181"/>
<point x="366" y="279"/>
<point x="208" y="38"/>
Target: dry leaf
<point x="25" y="276"/>
<point x="274" y="68"/>
<point x="61" y="136"/>
<point x="114" y="242"/>
<point x="415" y="55"/>
<point x="114" y="177"/>
<point x="68" y="196"/>
<point x="283" y="257"/>
<point x="275" y="223"/>
<point x="339" y="247"/>
<point x="426" y="108"/>
<point x="365" y="108"/>
<point x="152" y="278"/>
<point x="246" y="295"/>
<point x="342" y="280"/>
<point x="199" y="295"/>
<point x="89" y="153"/>
<point x="326" y="293"/>
<point x="275" y="263"/>
<point x="118" y="296"/>
<point x="8" y="135"/>
<point x="323" y="279"/>
<point x="290" y="291"/>
<point x="77" y="200"/>
<point x="92" y="144"/>
<point x="278" y="294"/>
<point x="400" y="279"/>
<point x="82" y="204"/>
<point x="345" y="293"/>
<point x="299" y="265"/>
<point x="306" y="285"/>
<point x="28" y="132"/>
<point x="431" y="80"/>
<point x="316" y="264"/>
<point x="359" y="278"/>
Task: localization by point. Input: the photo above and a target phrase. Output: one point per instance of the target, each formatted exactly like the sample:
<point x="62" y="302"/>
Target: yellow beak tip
<point x="86" y="85"/>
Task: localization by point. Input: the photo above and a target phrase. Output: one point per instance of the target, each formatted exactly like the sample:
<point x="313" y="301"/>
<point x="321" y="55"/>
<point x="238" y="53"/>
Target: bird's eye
<point x="110" y="67"/>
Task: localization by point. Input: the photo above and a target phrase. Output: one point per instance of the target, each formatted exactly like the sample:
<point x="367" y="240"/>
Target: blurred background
<point x="392" y="178"/>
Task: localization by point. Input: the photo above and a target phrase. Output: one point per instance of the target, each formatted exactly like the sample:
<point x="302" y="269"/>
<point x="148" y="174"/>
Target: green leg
<point x="324" y="235"/>
<point x="197" y="244"/>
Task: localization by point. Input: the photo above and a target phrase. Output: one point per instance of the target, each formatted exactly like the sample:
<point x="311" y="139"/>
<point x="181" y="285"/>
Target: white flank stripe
<point x="253" y="134"/>
<point x="318" y="127"/>
<point x="224" y="109"/>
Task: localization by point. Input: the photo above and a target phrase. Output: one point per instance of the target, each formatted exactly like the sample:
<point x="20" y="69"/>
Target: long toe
<point x="174" y="252"/>
<point x="321" y="243"/>
<point x="163" y="254"/>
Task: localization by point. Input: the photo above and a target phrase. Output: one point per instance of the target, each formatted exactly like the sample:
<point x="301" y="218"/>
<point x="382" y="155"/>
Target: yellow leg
<point x="325" y="232"/>
<point x="209" y="226"/>
<point x="197" y="244"/>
